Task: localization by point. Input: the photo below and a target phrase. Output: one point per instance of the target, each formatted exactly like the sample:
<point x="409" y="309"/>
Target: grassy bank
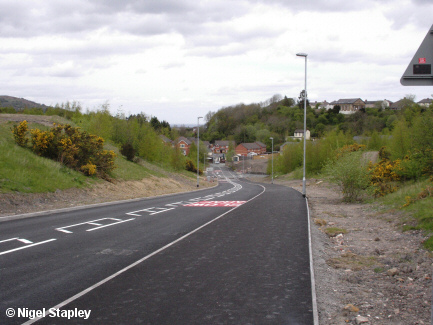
<point x="23" y="171"/>
<point x="418" y="209"/>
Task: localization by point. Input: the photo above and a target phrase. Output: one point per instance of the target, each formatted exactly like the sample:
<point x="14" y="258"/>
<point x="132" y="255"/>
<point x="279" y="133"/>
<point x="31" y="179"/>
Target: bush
<point x="177" y="159"/>
<point x="88" y="169"/>
<point x="128" y="151"/>
<point x="384" y="174"/>
<point x="72" y="147"/>
<point x="20" y="133"/>
<point x="189" y="166"/>
<point x="351" y="175"/>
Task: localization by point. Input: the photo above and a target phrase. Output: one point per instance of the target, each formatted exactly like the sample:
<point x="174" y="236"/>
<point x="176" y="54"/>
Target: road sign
<point x="419" y="70"/>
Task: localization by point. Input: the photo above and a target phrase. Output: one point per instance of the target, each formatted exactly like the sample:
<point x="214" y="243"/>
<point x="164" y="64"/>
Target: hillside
<point x="29" y="182"/>
<point x="19" y="104"/>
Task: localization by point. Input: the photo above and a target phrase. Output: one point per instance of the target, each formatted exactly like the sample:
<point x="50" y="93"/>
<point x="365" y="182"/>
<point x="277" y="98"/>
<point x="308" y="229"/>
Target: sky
<point x="179" y="59"/>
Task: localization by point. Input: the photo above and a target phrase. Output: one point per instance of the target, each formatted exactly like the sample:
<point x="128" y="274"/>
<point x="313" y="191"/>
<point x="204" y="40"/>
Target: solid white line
<point x="3" y="241"/>
<point x="27" y="246"/>
<point x="111" y="224"/>
<point x="82" y="293"/>
<point x="313" y="281"/>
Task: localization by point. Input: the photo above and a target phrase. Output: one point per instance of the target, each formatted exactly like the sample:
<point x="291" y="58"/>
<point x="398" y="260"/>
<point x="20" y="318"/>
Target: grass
<point x="419" y="212"/>
<point x="23" y="171"/>
<point x="334" y="231"/>
<point x="354" y="262"/>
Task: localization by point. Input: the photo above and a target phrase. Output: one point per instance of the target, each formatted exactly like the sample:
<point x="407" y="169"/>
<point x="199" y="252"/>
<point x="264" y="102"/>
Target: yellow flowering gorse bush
<point x="69" y="145"/>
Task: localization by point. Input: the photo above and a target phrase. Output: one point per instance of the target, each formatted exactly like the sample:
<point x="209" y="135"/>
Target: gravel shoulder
<point x="368" y="271"/>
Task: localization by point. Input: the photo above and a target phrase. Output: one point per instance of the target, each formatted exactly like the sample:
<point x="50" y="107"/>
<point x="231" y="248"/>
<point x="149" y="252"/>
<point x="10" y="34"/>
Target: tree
<point x="301" y="99"/>
<point x="401" y="140"/>
<point x="288" y="102"/>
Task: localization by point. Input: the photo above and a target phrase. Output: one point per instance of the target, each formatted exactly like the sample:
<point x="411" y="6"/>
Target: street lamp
<point x="305" y="120"/>
<point x="198" y="148"/>
<point x="272" y="179"/>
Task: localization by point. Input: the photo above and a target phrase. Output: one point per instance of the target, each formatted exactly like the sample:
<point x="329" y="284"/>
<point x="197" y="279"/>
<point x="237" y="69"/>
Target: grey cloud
<point x="131" y="16"/>
<point x="320" y="5"/>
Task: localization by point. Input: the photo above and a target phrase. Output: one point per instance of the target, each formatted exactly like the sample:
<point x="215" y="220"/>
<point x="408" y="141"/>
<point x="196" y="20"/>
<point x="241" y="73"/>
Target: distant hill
<point x="19" y="103"/>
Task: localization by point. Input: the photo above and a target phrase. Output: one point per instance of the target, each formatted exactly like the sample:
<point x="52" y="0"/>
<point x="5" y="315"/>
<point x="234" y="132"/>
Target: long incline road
<point x="237" y="253"/>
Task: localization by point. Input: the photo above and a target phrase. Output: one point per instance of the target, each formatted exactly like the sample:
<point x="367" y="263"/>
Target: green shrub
<point x="351" y="174"/>
<point x="128" y="151"/>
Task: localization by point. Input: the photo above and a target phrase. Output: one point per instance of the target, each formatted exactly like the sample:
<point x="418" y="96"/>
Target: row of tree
<point x="282" y="116"/>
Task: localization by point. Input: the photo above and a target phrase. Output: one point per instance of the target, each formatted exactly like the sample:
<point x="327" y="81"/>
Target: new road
<point x="237" y="253"/>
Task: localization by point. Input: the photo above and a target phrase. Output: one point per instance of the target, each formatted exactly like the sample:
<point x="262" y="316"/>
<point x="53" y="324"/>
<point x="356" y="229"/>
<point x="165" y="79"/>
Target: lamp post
<point x="305" y="120"/>
<point x="272" y="179"/>
<point x="198" y="148"/>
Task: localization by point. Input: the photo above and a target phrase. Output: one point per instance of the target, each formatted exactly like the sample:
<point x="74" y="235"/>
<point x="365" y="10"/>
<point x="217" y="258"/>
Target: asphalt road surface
<point x="234" y="254"/>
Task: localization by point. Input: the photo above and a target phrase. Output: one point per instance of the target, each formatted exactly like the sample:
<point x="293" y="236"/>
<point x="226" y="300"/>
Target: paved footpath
<point x="249" y="267"/>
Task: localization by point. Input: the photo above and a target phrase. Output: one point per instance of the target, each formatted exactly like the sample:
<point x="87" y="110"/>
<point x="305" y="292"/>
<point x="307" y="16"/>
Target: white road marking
<point x="25" y="241"/>
<point x="27" y="246"/>
<point x="93" y="223"/>
<point x="162" y="210"/>
<point x="98" y="284"/>
<point x="111" y="224"/>
<point x="175" y="204"/>
<point x="155" y="210"/>
<point x="3" y="241"/>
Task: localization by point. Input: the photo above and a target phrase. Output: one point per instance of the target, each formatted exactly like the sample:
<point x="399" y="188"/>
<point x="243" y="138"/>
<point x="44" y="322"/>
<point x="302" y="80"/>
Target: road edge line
<point x="103" y="281"/>
<point x="313" y="281"/>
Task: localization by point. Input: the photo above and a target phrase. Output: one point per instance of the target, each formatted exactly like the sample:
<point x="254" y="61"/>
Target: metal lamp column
<point x="304" y="191"/>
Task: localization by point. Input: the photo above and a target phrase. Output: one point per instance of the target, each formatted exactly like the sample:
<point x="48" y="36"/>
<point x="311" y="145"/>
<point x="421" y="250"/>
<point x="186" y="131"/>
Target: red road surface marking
<point x="216" y="204"/>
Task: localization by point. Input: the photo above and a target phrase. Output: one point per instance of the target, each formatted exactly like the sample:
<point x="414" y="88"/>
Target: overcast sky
<point x="179" y="59"/>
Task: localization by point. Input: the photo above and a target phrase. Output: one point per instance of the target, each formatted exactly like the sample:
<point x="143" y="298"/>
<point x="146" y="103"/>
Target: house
<point x="299" y="134"/>
<point x="183" y="144"/>
<point x="245" y="149"/>
<point x="426" y="102"/>
<point x="398" y="105"/>
<point x="378" y="103"/>
<point x="221" y="146"/>
<point x="262" y="146"/>
<point x="314" y="104"/>
<point x="350" y="105"/>
<point x="325" y="105"/>
<point x="166" y="140"/>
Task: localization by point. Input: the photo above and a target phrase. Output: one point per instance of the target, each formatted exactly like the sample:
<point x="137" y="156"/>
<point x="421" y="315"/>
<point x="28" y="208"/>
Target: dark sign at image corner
<point x="421" y="69"/>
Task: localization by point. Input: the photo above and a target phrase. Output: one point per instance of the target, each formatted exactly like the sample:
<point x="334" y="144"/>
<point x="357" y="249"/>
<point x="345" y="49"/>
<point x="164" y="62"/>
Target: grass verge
<point x="419" y="211"/>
